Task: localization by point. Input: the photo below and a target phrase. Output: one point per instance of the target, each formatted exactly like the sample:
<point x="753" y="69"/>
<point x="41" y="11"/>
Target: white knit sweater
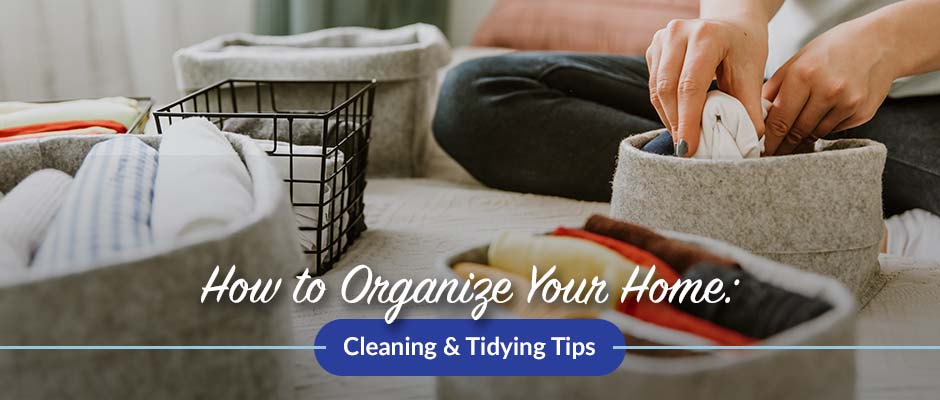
<point x="27" y="212"/>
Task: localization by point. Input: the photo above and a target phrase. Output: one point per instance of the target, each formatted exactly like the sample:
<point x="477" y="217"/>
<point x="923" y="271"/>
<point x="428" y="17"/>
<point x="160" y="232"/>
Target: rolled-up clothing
<point x="756" y="309"/>
<point x="62" y="126"/>
<point x="577" y="259"/>
<point x="680" y="256"/>
<point x="27" y="213"/>
<point x="202" y="184"/>
<point x="106" y="215"/>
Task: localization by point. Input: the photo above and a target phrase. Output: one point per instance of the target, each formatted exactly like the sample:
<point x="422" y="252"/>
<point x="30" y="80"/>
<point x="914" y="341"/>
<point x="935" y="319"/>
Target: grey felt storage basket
<point x="152" y="298"/>
<point x="729" y="375"/>
<point x="819" y="211"/>
<point x="404" y="61"/>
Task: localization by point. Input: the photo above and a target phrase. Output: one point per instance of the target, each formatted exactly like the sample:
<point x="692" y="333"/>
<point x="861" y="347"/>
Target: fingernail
<point x="682" y="148"/>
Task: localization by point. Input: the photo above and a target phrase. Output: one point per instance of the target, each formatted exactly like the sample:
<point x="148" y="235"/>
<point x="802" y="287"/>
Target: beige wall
<point x="55" y="49"/>
<point x="465" y="15"/>
<point x="59" y="49"/>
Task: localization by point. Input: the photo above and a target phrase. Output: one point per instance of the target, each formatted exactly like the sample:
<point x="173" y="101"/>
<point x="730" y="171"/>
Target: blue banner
<point x="463" y="347"/>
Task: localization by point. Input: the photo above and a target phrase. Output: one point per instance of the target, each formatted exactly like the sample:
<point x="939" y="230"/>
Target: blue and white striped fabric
<point x="106" y="215"/>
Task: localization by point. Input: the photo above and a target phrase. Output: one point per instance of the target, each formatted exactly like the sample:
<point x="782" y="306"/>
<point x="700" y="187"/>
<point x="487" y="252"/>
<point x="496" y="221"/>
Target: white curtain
<point x="61" y="49"/>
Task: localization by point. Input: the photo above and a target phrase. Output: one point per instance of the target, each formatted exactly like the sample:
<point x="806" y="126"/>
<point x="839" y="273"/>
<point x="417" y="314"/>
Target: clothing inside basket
<point x="760" y="309"/>
<point x="126" y="197"/>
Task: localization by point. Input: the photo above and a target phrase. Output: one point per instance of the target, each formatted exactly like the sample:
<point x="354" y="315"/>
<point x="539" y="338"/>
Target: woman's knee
<point x="461" y="110"/>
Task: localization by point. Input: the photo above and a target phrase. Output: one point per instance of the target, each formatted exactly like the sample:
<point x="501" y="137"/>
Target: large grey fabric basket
<point x="404" y="61"/>
<point x="744" y="375"/>
<point x="819" y="211"/>
<point x="152" y="298"/>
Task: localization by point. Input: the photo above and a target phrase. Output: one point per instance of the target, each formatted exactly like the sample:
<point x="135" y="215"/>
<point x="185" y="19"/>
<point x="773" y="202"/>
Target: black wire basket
<point x="318" y="133"/>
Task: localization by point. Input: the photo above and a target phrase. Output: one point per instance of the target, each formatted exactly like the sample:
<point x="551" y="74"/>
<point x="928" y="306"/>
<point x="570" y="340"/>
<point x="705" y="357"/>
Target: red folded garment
<point x="667" y="316"/>
<point x="61" y="126"/>
<point x="680" y="256"/>
<point x="630" y="252"/>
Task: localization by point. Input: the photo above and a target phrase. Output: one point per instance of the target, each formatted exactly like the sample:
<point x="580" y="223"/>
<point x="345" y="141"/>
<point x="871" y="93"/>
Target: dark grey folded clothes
<point x="661" y="145"/>
<point x="756" y="309"/>
<point x="304" y="132"/>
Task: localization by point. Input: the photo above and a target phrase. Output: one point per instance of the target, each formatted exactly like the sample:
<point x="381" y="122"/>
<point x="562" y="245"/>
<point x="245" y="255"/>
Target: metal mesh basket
<point x="319" y="141"/>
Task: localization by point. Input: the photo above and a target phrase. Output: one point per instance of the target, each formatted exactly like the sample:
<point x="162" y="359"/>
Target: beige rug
<point x="415" y="222"/>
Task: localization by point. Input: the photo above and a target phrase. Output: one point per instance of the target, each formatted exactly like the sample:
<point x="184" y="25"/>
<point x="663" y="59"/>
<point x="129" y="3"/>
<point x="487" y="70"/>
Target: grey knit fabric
<point x="819" y="211"/>
<point x="152" y="299"/>
<point x="404" y="61"/>
<point x="766" y="374"/>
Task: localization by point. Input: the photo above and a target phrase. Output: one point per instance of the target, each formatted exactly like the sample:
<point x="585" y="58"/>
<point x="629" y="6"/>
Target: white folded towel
<point x="727" y="131"/>
<point x="27" y="213"/>
<point x="120" y="109"/>
<point x="202" y="184"/>
<point x="106" y="215"/>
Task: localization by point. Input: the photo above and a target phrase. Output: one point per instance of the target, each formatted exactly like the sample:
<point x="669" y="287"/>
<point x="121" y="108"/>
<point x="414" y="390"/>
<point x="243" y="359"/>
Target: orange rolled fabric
<point x="667" y="316"/>
<point x="630" y="252"/>
<point x="61" y="126"/>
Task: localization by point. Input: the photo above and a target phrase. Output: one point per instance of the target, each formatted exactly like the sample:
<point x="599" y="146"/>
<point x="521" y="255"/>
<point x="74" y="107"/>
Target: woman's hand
<point x="687" y="55"/>
<point x="835" y="82"/>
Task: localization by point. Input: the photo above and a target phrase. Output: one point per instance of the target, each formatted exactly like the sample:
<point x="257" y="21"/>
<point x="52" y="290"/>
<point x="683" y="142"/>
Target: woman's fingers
<point x="652" y="63"/>
<point x="671" y="59"/>
<point x="805" y="125"/>
<point x="832" y="120"/>
<point x="787" y="105"/>
<point x="698" y="71"/>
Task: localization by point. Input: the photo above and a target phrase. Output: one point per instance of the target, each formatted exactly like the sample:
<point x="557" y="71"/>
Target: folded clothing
<point x="662" y="145"/>
<point x="106" y="214"/>
<point x="312" y="166"/>
<point x="756" y="309"/>
<point x="640" y="256"/>
<point x="27" y="212"/>
<point x="119" y="109"/>
<point x="727" y="131"/>
<point x="299" y="131"/>
<point x="62" y="126"/>
<point x="666" y="315"/>
<point x="915" y="233"/>
<point x="201" y="184"/>
<point x="521" y="286"/>
<point x="678" y="255"/>
<point x="573" y="258"/>
<point x="94" y="130"/>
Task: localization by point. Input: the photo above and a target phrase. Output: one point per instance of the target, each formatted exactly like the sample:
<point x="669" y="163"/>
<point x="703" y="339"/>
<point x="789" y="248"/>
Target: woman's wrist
<point x="903" y="33"/>
<point x="745" y="12"/>
<point x="879" y="35"/>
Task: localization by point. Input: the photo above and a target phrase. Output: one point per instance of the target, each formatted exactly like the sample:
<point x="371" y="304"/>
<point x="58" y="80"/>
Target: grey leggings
<point x="550" y="123"/>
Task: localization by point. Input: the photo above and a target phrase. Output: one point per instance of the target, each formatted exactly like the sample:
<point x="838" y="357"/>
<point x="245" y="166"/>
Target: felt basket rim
<point x="840" y="148"/>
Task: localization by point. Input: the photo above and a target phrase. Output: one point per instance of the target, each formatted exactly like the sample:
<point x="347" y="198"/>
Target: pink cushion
<point x="602" y="26"/>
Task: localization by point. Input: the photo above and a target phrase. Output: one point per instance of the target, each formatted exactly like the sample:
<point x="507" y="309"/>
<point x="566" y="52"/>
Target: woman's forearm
<point x="753" y="11"/>
<point x="908" y="32"/>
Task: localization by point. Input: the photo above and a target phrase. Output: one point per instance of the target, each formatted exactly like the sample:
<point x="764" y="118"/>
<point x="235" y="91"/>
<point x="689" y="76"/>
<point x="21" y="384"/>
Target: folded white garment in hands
<point x="727" y="131"/>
